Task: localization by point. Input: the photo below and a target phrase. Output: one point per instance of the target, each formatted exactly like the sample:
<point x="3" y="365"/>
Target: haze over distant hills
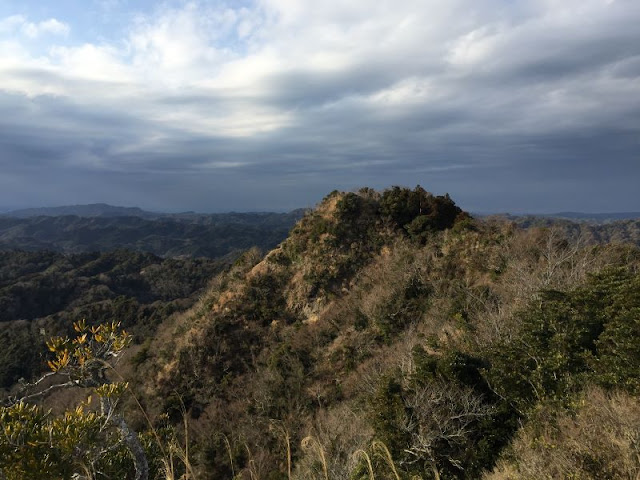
<point x="598" y="217"/>
<point x="91" y="210"/>
<point x="574" y="216"/>
<point x="106" y="210"/>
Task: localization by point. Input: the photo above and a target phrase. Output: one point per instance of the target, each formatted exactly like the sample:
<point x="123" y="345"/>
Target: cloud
<point x="50" y="26"/>
<point x="32" y="30"/>
<point x="473" y="94"/>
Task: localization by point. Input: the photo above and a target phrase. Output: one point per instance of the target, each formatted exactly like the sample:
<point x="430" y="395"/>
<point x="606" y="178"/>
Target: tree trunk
<point x="133" y="444"/>
<point x="436" y="474"/>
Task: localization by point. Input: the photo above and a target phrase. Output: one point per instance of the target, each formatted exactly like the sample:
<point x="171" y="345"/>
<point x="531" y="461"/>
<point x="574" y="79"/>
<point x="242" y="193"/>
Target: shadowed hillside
<point x="43" y="293"/>
<point x="193" y="235"/>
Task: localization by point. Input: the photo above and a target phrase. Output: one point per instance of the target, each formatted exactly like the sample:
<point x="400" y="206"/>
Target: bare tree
<point x="440" y="421"/>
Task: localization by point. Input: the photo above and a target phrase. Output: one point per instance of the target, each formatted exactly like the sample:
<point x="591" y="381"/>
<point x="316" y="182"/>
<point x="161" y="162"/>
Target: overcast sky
<point x="508" y="105"/>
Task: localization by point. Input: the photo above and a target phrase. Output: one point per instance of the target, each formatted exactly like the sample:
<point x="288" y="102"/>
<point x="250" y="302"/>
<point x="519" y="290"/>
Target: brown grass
<point x="602" y="441"/>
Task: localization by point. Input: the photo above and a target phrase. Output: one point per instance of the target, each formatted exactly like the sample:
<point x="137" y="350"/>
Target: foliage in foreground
<point x="93" y="440"/>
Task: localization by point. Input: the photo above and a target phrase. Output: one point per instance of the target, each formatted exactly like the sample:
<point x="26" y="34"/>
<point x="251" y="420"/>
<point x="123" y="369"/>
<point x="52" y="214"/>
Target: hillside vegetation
<point x="43" y="293"/>
<point x="392" y="336"/>
<point x="212" y="236"/>
<point x="394" y="317"/>
<point x="620" y="231"/>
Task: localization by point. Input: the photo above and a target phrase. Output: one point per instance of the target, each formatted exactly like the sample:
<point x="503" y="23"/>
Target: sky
<point x="253" y="105"/>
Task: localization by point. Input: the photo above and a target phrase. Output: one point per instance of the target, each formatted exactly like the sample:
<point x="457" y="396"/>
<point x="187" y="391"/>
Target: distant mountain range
<point x="106" y="210"/>
<point x="92" y="210"/>
<point x="573" y="216"/>
<point x="598" y="217"/>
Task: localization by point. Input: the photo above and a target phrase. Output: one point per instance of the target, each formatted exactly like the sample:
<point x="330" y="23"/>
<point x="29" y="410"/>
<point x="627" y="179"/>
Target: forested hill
<point x="585" y="231"/>
<point x="43" y="293"/>
<point x="393" y="324"/>
<point x="193" y="235"/>
<point x="389" y="336"/>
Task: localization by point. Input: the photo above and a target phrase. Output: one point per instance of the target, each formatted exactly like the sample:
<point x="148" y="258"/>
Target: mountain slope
<point x="279" y="338"/>
<point x="378" y="319"/>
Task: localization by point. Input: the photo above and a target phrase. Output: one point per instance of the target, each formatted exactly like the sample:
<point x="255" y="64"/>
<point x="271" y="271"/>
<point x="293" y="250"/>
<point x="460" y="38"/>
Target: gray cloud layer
<point x="511" y="106"/>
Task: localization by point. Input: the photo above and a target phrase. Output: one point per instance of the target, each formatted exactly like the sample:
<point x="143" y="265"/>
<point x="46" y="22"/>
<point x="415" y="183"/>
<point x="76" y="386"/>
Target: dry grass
<point x="602" y="441"/>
